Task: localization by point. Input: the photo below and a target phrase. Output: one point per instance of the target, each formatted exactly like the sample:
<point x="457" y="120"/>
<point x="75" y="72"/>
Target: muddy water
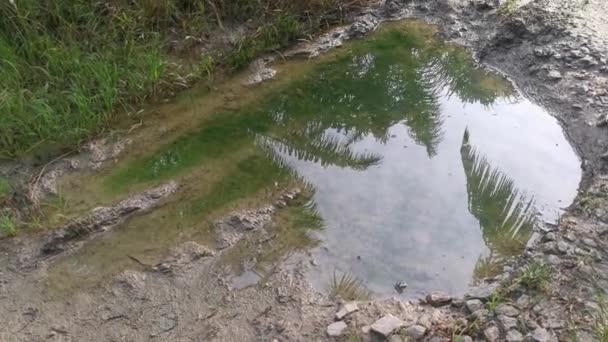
<point x="425" y="168"/>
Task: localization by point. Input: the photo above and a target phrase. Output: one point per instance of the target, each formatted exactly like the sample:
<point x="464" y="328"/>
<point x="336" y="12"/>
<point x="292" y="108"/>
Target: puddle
<point x="425" y="168"/>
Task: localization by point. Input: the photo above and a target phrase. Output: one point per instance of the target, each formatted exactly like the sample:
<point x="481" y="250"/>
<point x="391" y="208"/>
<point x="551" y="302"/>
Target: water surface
<point x="425" y="167"/>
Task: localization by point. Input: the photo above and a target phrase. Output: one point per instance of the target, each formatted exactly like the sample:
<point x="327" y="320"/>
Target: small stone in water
<point x="400" y="286"/>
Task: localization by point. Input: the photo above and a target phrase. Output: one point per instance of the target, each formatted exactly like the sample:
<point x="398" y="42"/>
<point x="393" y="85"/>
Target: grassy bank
<point x="69" y="67"/>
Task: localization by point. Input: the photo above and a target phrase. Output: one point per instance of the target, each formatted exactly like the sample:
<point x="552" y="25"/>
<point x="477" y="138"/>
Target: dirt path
<point x="555" y="51"/>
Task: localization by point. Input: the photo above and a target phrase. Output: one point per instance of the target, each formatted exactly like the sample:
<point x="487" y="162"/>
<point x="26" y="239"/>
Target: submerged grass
<point x="69" y="66"/>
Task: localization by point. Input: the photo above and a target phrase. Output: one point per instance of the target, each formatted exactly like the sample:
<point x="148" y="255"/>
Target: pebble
<point x="474" y="305"/>
<point x="589" y="242"/>
<point x="480" y="315"/>
<point x="463" y="338"/>
<point x="395" y="338"/>
<point x="482" y="292"/>
<point x="336" y="329"/>
<point x="554" y="75"/>
<point x="438" y="299"/>
<point x="514" y="336"/>
<point x="346" y="310"/>
<point x="541" y="335"/>
<point x="386" y="325"/>
<point x="415" y="332"/>
<point x="492" y="333"/>
<point x="507" y="310"/>
<point x="553" y="259"/>
<point x="523" y="301"/>
<point x="507" y="322"/>
<point x="563" y="247"/>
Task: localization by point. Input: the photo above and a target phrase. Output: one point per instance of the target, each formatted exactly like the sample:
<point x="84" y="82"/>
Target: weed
<point x="348" y="287"/>
<point x="494" y="301"/>
<point x="601" y="320"/>
<point x="509" y="7"/>
<point x="8" y="227"/>
<point x="355" y="338"/>
<point x="5" y="187"/>
<point x="536" y="276"/>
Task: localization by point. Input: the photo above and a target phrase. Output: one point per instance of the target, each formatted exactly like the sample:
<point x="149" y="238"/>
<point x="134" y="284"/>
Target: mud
<point x="553" y="51"/>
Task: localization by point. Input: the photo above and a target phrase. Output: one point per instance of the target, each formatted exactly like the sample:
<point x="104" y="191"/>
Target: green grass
<point x="494" y="301"/>
<point x="601" y="321"/>
<point x="8" y="227"/>
<point x="536" y="276"/>
<point x="5" y="188"/>
<point x="68" y="67"/>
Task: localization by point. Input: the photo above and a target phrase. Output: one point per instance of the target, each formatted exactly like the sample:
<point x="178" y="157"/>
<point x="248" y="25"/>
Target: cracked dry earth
<point x="554" y="51"/>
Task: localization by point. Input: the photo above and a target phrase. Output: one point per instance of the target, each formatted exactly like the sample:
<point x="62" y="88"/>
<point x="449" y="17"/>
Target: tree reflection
<point x="506" y="216"/>
<point x="396" y="77"/>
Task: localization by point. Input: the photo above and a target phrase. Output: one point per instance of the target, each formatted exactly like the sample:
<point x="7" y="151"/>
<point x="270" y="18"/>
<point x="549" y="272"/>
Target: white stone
<point x="514" y="336"/>
<point x="507" y="310"/>
<point x="386" y="325"/>
<point x="474" y="305"/>
<point x="346" y="310"/>
<point x="415" y="332"/>
<point x="554" y="75"/>
<point x="492" y="333"/>
<point x="336" y="329"/>
<point x="507" y="322"/>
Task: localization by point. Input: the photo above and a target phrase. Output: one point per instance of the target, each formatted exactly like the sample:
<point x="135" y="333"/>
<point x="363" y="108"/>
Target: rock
<point x="393" y="7"/>
<point x="589" y="242"/>
<point x="400" y="286"/>
<point x="492" y="333"/>
<point x="507" y="322"/>
<point x="553" y="259"/>
<point x="230" y="229"/>
<point x="386" y="325"/>
<point x="554" y="75"/>
<point x="482" y="292"/>
<point x="541" y="335"/>
<point x="415" y="332"/>
<point x="336" y="329"/>
<point x="480" y="315"/>
<point x="363" y="25"/>
<point x="514" y="336"/>
<point x="347" y="309"/>
<point x="507" y="310"/>
<point x="485" y="5"/>
<point x="523" y="301"/>
<point x="463" y="338"/>
<point x="563" y="247"/>
<point x="543" y="53"/>
<point x="438" y="299"/>
<point x="260" y="72"/>
<point x="131" y="279"/>
<point x="553" y="323"/>
<point x="474" y="305"/>
<point x="549" y="237"/>
<point x="395" y="338"/>
<point x="366" y="329"/>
